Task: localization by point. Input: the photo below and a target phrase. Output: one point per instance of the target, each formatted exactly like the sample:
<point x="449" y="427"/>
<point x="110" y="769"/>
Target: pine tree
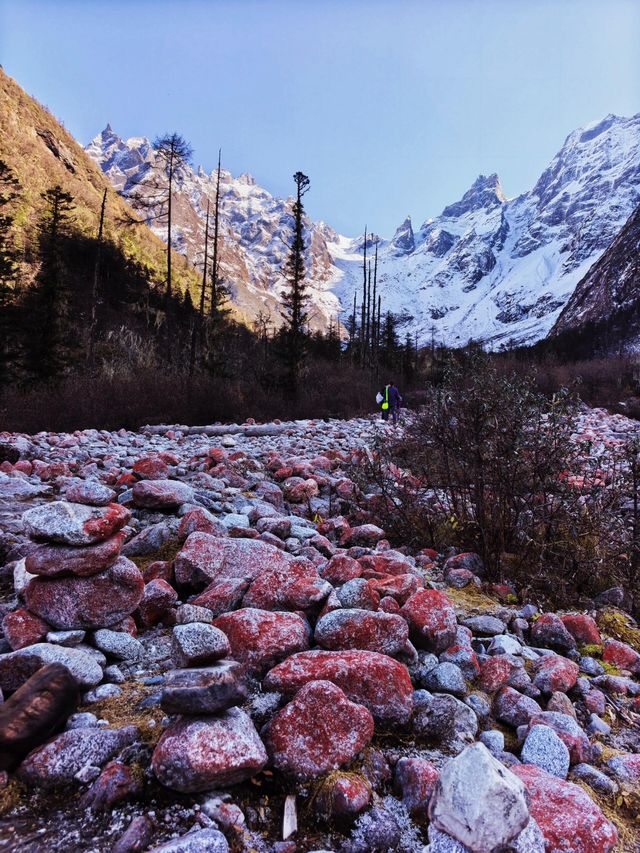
<point x="295" y="298"/>
<point x="48" y="324"/>
<point x="9" y="191"/>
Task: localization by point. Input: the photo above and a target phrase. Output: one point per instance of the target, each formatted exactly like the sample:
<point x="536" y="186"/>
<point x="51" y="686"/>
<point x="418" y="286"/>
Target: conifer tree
<point x="295" y="298"/>
<point x="9" y="191"/>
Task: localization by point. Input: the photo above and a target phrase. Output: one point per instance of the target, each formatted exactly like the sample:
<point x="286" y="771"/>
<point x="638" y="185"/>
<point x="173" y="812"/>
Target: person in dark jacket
<point x="394" y="401"/>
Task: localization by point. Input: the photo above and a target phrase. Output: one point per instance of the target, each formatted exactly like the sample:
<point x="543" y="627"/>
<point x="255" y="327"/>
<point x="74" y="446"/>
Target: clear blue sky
<point x="390" y="106"/>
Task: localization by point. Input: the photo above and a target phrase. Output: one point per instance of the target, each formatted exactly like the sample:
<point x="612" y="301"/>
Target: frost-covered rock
<point x="544" y="748"/>
<point x="198" y="644"/>
<point x="478" y="801"/>
<point x="361" y="629"/>
<point x="74" y="524"/>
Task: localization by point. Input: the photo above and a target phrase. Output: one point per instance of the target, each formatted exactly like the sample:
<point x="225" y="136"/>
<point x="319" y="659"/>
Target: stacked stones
<point x="212" y="743"/>
<point x="74" y="581"/>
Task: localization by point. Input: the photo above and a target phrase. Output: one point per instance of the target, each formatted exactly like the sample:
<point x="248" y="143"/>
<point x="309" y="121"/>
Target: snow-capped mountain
<point x="487" y="268"/>
<point x="255" y="228"/>
<point x="499" y="269"/>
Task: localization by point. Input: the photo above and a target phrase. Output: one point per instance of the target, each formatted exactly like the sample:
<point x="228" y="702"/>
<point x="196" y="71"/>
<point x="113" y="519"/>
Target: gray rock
<point x="480" y="704"/>
<point x="73" y="524"/>
<point x="65" y="638"/>
<point x="149" y="540"/>
<point x="446" y="678"/>
<point x="544" y="748"/>
<point x="595" y="779"/>
<point x="444" y="719"/>
<point x="484" y="625"/>
<point x="61" y="758"/>
<point x="114" y="675"/>
<point x="82" y="665"/>
<point x="493" y="740"/>
<point x="103" y="691"/>
<point x="478" y="801"/>
<point x="204" y="690"/>
<point x="597" y="726"/>
<point x="81" y="720"/>
<point x="202" y="841"/>
<point x="192" y="613"/>
<point x="505" y="644"/>
<point x="530" y="840"/>
<point x="590" y="666"/>
<point x="118" y="644"/>
<point x="198" y="644"/>
<point x="235" y="519"/>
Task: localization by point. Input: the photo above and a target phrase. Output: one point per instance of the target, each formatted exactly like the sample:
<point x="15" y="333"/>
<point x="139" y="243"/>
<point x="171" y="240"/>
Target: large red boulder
<point x="400" y="587"/>
<point x="569" y="819"/>
<point x="54" y="560"/>
<point x="202" y="753"/>
<point x="621" y="655"/>
<point x="292" y="585"/>
<point x="205" y="558"/>
<point x="549" y="631"/>
<point x="432" y="619"/>
<point x="341" y="569"/>
<point x="222" y="595"/>
<point x="151" y="468"/>
<point x="376" y="681"/>
<point x="582" y="628"/>
<point x="22" y="628"/>
<point x="362" y="629"/>
<point x="74" y="524"/>
<point x="496" y="672"/>
<point x="261" y="638"/>
<point x="383" y="563"/>
<point x="95" y="602"/>
<point x="365" y="534"/>
<point x="555" y="673"/>
<point x="317" y="732"/>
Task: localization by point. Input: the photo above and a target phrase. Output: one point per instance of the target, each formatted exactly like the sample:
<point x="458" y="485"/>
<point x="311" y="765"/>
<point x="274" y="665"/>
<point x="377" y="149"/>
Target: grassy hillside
<point x="42" y="153"/>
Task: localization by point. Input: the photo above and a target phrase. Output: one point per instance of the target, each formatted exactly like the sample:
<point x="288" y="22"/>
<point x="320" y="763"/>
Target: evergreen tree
<point x="48" y="323"/>
<point x="295" y="298"/>
<point x="9" y="191"/>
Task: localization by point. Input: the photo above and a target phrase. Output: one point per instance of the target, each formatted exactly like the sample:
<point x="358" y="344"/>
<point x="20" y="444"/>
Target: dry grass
<point x="124" y="710"/>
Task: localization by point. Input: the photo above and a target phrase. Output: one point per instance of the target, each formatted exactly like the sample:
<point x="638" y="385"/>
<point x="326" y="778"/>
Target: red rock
<point x="317" y="732"/>
<point x="594" y="701"/>
<point x="389" y="605"/>
<point x="342" y="796"/>
<point x="341" y="569"/>
<point x="137" y="836"/>
<point x="555" y="673"/>
<point x="261" y="638"/>
<point x="468" y="561"/>
<point x="386" y="564"/>
<point x="582" y="628"/>
<point x="495" y="673"/>
<point x="621" y="655"/>
<point x="295" y="585"/>
<point x="569" y="819"/>
<point x="416" y="778"/>
<point x="198" y="520"/>
<point x="128" y="625"/>
<point x="115" y="784"/>
<point x="549" y="631"/>
<point x="54" y="560"/>
<point x="205" y="558"/>
<point x="22" y="628"/>
<point x="513" y="708"/>
<point x="400" y="587"/>
<point x="223" y="595"/>
<point x="362" y="629"/>
<point x="376" y="681"/>
<point x="625" y="767"/>
<point x="204" y="753"/>
<point x="158" y="570"/>
<point x="365" y="534"/>
<point x="125" y="480"/>
<point x="432" y="619"/>
<point x="161" y="494"/>
<point x="151" y="468"/>
<point x="296" y="490"/>
<point x="94" y="602"/>
<point x="157" y="598"/>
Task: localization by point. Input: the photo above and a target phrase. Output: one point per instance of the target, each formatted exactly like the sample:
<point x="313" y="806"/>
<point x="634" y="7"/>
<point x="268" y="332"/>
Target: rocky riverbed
<point x="208" y="647"/>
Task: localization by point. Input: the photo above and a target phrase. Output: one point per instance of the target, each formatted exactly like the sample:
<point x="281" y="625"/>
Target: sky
<point x="392" y="107"/>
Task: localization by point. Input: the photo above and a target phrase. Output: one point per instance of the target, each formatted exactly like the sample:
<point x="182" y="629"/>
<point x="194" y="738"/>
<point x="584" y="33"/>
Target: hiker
<point x="394" y="399"/>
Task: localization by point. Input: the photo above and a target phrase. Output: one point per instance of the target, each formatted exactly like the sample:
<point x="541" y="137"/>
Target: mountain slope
<point x="255" y="228"/>
<point x="610" y="290"/>
<point x="495" y="269"/>
<point x="42" y="153"/>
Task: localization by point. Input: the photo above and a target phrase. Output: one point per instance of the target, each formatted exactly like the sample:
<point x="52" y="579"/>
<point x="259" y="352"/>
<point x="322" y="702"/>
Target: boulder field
<point x="209" y="645"/>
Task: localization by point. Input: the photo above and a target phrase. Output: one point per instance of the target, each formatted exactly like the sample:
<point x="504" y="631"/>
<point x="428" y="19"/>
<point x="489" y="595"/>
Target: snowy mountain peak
<point x="484" y="193"/>
<point x="403" y="240"/>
